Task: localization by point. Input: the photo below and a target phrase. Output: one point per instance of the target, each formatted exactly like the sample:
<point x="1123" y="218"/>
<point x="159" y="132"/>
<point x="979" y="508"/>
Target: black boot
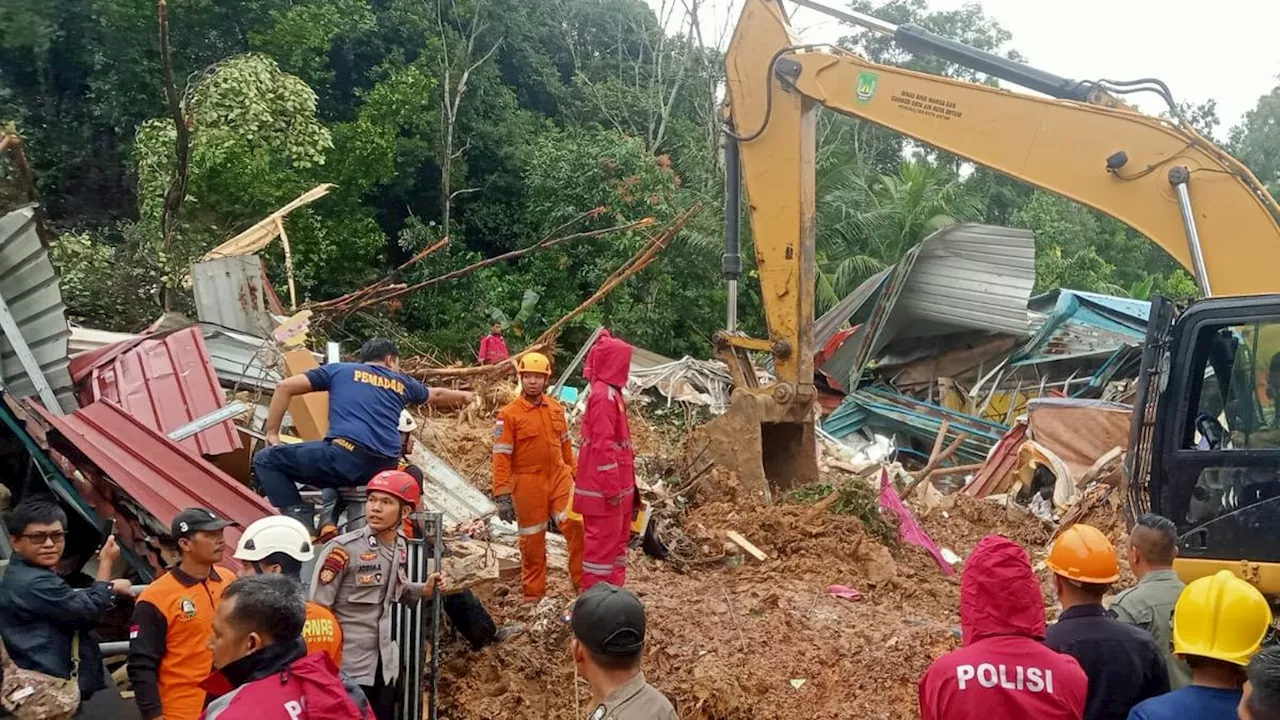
<point x="304" y="514"/>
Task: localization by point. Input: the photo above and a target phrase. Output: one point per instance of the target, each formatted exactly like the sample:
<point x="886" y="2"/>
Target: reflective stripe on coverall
<point x="533" y="462"/>
<point x="604" y="492"/>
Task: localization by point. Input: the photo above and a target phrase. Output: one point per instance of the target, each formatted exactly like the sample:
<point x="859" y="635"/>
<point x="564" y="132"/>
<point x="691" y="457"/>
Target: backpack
<point x="32" y="695"/>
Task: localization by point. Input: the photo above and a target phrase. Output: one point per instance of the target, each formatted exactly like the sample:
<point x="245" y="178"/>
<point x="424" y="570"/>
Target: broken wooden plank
<point x="953" y="470"/>
<point x="1109" y="469"/>
<point x="937" y="442"/>
<point x="820" y="507"/>
<point x="745" y="544"/>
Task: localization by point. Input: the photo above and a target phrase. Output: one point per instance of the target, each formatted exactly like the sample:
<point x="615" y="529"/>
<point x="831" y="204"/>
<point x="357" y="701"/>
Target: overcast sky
<point x="1228" y="50"/>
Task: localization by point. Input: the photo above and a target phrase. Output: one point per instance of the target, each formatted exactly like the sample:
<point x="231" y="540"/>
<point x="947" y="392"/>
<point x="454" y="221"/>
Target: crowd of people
<point x="1161" y="651"/>
<point x="304" y="629"/>
<point x="206" y="642"/>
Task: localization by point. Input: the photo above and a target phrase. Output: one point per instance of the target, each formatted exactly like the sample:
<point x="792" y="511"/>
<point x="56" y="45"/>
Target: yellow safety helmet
<point x="1220" y="617"/>
<point x="534" y="363"/>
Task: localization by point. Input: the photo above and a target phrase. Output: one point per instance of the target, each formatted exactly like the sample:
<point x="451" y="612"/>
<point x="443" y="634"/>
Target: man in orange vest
<point x="169" y="655"/>
<point x="533" y="469"/>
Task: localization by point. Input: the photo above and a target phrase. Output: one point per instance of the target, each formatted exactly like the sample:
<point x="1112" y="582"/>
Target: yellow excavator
<point x="1205" y="449"/>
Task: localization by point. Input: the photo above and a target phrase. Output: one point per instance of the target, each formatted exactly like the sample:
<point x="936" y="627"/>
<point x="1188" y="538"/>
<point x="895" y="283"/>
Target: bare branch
<point x="177" y="189"/>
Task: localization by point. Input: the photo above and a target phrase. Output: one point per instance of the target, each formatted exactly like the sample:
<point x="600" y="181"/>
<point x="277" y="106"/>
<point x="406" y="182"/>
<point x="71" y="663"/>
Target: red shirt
<point x="493" y="349"/>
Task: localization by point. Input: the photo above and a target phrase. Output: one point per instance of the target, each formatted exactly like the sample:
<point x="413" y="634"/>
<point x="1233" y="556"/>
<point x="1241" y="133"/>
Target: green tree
<point x="255" y="141"/>
<point x="868" y="221"/>
<point x="1256" y="140"/>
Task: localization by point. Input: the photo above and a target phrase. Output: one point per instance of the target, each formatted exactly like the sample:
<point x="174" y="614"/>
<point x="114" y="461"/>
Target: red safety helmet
<point x="398" y="484"/>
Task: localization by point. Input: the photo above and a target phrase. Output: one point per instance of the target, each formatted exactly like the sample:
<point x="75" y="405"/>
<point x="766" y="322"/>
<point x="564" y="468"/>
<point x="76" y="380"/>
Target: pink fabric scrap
<point x="844" y="592"/>
<point x="908" y="529"/>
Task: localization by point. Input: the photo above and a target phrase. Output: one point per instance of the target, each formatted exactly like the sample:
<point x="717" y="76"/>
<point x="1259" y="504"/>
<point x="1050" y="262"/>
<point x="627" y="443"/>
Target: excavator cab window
<point x="1221" y="482"/>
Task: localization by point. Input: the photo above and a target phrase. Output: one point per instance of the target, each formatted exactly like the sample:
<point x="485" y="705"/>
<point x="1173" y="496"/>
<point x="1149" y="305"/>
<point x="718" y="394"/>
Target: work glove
<point x="506" y="508"/>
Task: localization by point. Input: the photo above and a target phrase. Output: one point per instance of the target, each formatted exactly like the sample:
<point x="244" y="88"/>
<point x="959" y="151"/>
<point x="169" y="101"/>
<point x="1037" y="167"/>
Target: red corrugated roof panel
<point x="159" y="474"/>
<point x="163" y="381"/>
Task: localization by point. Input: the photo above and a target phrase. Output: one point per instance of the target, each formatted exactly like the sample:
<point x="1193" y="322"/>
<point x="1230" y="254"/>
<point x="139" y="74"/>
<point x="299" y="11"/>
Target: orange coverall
<point x="533" y="462"/>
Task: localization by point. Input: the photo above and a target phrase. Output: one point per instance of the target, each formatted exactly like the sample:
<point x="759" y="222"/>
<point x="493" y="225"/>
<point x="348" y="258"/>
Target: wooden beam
<point x="819" y="507"/>
<point x="934" y="462"/>
<point x="745" y="544"/>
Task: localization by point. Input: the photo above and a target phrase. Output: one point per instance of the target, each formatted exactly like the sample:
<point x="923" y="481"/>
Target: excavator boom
<point x="1159" y="177"/>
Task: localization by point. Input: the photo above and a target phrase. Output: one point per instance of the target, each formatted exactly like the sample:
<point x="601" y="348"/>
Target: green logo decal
<point x="867" y="82"/>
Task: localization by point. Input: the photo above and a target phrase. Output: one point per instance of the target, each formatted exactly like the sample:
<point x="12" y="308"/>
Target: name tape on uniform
<point x="1017" y="677"/>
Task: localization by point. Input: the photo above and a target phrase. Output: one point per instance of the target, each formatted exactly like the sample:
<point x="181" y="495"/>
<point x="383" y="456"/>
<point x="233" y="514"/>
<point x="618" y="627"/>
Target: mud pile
<point x="738" y="638"/>
<point x="729" y="636"/>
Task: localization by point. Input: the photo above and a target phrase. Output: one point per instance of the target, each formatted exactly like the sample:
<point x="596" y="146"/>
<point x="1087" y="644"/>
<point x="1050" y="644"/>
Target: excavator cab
<point x="1205" y="450"/>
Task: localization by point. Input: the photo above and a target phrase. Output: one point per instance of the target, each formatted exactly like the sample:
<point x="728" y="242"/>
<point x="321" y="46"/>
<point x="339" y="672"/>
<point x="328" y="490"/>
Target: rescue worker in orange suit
<point x="533" y="469"/>
<point x="604" y="493"/>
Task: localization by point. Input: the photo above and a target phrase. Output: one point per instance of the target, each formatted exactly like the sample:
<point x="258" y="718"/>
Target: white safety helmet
<point x="275" y="534"/>
<point x="407" y="423"/>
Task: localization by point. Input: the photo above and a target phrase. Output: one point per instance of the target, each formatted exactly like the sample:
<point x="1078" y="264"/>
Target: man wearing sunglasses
<point x="45" y="622"/>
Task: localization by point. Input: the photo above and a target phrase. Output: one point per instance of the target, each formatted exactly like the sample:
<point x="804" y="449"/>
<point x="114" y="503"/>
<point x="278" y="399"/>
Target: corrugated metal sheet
<point x="825" y="327"/>
<point x="845" y="420"/>
<point x="1136" y="309"/>
<point x="964" y="277"/>
<point x="888" y="411"/>
<point x="164" y="381"/>
<point x="230" y="292"/>
<point x="1072" y="324"/>
<point x="85" y="340"/>
<point x="29" y="286"/>
<point x="642" y="359"/>
<point x="242" y="361"/>
<point x="58" y="482"/>
<point x="161" y="476"/>
<point x="447" y="492"/>
<point x="972" y="276"/>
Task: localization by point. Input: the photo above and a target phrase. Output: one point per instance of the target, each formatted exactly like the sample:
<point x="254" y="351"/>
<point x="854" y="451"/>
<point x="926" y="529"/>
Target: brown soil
<point x="731" y="638"/>
<point x="962" y="521"/>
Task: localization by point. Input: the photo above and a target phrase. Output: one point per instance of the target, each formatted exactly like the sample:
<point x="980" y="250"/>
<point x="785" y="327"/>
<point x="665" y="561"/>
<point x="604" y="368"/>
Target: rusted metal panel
<point x="163" y="381"/>
<point x="230" y="292"/>
<point x="29" y="286"/>
<point x="158" y="476"/>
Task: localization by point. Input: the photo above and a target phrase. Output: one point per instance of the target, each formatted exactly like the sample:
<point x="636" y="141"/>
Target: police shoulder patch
<point x="333" y="564"/>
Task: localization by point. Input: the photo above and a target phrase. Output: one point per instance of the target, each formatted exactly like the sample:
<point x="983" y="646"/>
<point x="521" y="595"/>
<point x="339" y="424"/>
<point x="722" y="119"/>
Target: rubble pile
<point x="731" y="636"/>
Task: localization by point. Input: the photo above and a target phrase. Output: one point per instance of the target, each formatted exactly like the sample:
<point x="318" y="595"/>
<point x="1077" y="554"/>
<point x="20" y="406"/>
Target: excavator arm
<point x="1190" y="197"/>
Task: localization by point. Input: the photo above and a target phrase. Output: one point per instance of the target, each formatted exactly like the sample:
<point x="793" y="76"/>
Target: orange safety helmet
<point x="398" y="484"/>
<point x="1082" y="553"/>
<point x="534" y="363"/>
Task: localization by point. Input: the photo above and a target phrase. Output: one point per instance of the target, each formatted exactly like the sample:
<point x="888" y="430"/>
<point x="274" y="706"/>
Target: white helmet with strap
<point x="275" y="534"/>
<point x="407" y="423"/>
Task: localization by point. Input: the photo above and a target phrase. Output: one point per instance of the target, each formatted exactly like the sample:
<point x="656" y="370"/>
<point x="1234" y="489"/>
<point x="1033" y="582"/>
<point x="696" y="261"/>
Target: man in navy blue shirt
<point x="365" y="401"/>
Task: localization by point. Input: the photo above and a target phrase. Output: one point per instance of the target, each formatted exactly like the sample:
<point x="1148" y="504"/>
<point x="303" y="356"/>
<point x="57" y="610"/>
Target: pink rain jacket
<point x="606" y="460"/>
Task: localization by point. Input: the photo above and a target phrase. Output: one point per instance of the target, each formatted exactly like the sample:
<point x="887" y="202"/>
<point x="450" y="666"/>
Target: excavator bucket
<point x="766" y="456"/>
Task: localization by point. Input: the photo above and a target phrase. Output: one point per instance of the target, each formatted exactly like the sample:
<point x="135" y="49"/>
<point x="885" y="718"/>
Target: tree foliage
<point x="498" y="122"/>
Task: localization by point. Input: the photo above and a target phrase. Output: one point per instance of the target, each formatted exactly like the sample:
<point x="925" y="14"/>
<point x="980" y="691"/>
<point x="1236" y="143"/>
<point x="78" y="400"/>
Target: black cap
<point x="609" y="620"/>
<point x="194" y="520"/>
